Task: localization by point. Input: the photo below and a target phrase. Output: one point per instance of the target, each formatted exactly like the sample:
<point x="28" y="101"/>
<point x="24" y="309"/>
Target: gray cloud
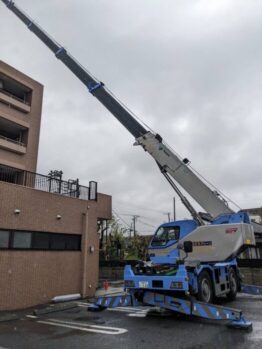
<point x="189" y="69"/>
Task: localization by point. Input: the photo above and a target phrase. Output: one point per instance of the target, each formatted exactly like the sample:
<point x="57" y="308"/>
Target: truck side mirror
<point x="188" y="246"/>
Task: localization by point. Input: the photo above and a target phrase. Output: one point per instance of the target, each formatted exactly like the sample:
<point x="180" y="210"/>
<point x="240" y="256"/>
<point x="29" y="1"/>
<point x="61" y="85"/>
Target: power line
<point x="149" y="225"/>
<point x="140" y="207"/>
<point x="119" y="217"/>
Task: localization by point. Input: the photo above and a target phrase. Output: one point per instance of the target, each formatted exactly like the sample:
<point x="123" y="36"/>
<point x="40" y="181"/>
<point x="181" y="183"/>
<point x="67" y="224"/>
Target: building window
<point x="73" y="243"/>
<point x="39" y="241"/>
<point x="14" y="89"/>
<point x="57" y="242"/>
<point x="4" y="239"/>
<point x="22" y="240"/>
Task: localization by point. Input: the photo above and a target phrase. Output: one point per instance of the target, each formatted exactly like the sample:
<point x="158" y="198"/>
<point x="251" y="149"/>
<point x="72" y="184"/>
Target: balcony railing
<point x="51" y="184"/>
<point x="12" y="141"/>
<point x="14" y="97"/>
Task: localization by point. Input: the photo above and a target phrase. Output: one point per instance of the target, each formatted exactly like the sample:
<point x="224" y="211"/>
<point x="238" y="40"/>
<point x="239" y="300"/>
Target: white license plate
<point x="143" y="284"/>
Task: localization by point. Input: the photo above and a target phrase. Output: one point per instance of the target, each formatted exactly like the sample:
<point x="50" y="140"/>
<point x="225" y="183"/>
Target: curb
<point x="53" y="309"/>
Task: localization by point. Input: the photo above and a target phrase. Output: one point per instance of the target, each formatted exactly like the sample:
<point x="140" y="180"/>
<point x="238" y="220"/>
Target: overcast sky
<point x="190" y="69"/>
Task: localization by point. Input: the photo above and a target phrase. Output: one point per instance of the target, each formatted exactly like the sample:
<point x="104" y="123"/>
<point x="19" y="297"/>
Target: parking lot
<point x="129" y="328"/>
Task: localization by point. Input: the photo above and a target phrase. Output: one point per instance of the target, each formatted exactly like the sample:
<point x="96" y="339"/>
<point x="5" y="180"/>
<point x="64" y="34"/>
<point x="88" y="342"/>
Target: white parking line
<point x="138" y="314"/>
<point x="84" y="327"/>
<point x="31" y="317"/>
<point x="82" y="305"/>
<point x="123" y="310"/>
<point x="132" y="311"/>
<point x="129" y="309"/>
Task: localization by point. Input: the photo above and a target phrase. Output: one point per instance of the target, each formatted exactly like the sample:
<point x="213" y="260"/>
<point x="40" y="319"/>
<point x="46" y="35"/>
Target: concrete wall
<point x="33" y="277"/>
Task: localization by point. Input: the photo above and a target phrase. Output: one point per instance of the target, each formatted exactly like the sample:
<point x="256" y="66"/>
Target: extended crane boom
<point x="170" y="164"/>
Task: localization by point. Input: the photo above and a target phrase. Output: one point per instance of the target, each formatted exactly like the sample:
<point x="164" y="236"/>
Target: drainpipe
<point x="84" y="252"/>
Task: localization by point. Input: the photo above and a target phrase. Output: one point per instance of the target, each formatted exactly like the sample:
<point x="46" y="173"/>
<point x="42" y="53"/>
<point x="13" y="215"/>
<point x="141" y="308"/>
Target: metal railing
<point x="14" y="97"/>
<point x="249" y="263"/>
<point x="70" y="188"/>
<point x="12" y="141"/>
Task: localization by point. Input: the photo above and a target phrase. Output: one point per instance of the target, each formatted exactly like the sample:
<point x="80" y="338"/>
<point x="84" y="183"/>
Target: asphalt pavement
<point x="129" y="328"/>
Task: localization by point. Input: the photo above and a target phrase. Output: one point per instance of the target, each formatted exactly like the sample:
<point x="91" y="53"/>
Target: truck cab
<point x="163" y="246"/>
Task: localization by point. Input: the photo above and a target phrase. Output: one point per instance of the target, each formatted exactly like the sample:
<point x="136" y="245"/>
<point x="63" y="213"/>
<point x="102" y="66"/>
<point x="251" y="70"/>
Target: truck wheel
<point x="205" y="288"/>
<point x="233" y="284"/>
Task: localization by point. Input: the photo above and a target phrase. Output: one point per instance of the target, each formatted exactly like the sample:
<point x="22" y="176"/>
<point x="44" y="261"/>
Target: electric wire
<point x="149" y="225"/>
<point x="120" y="218"/>
<point x="140" y="207"/>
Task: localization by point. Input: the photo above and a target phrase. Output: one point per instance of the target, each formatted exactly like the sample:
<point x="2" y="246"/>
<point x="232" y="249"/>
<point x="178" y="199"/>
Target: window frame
<point x="34" y="234"/>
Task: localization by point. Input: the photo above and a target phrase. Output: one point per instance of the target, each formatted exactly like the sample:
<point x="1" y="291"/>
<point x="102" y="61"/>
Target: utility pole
<point x="130" y="231"/>
<point x="134" y="223"/>
<point x="174" y="208"/>
<point x="168" y="215"/>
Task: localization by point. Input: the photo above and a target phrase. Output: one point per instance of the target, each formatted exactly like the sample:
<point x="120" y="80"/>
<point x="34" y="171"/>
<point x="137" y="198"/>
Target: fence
<point x="250" y="263"/>
<point x="12" y="141"/>
<point x="50" y="183"/>
<point x="13" y="96"/>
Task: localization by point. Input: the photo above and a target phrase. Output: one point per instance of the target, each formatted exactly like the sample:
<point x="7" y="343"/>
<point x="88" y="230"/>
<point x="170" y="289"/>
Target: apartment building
<point x="20" y="117"/>
<point x="49" y="244"/>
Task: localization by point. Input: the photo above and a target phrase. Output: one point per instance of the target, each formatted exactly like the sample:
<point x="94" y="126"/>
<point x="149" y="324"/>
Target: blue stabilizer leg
<point x="114" y="301"/>
<point x="231" y="317"/>
<point x="251" y="289"/>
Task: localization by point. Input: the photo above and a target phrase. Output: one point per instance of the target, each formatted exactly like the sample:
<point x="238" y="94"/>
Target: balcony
<point x="15" y="94"/>
<point x="13" y="137"/>
<point x="12" y="145"/>
<point x="14" y="102"/>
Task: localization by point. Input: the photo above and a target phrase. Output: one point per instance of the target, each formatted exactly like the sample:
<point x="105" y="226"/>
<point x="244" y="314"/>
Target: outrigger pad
<point x="241" y="324"/>
<point x="95" y="308"/>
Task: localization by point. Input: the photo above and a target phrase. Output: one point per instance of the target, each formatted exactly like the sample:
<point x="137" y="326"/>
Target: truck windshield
<point x="165" y="234"/>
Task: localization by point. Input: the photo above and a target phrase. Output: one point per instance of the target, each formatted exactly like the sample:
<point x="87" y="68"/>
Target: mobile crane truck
<point x="191" y="262"/>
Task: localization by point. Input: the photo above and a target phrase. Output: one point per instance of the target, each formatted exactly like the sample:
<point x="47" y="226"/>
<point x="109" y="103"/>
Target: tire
<point x="233" y="284"/>
<point x="205" y="288"/>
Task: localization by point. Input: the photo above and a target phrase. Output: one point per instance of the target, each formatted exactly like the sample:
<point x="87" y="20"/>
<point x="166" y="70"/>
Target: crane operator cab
<point x="164" y="235"/>
<point x="163" y="246"/>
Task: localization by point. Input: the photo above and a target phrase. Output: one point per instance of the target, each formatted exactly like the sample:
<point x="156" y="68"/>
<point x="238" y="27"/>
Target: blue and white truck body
<point x="208" y="271"/>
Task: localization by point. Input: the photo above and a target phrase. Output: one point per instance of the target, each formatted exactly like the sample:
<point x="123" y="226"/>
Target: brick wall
<point x="34" y="277"/>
